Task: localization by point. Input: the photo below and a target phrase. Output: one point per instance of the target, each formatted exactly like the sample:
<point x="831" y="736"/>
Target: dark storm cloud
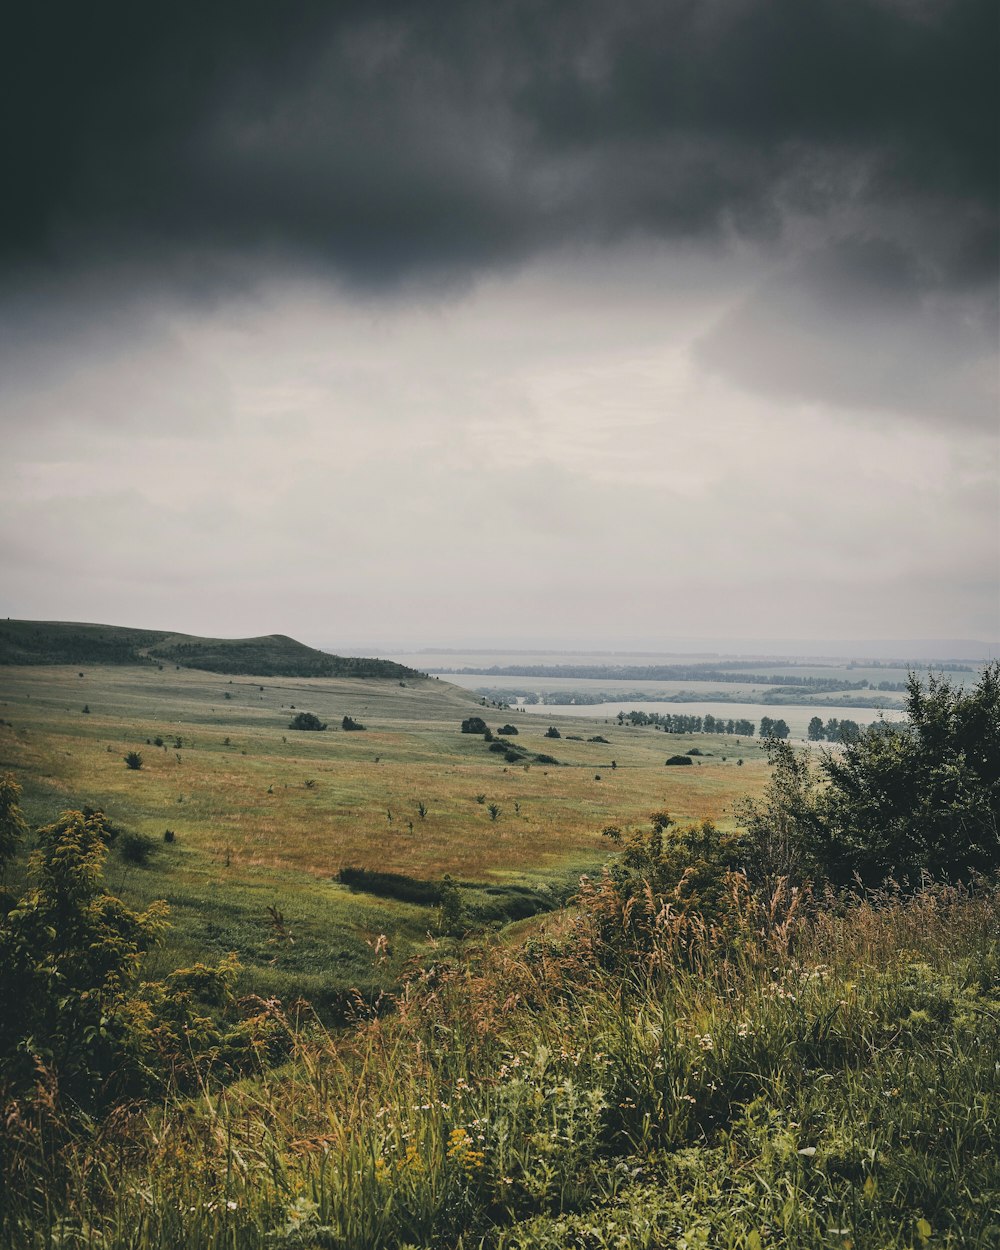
<point x="383" y="140"/>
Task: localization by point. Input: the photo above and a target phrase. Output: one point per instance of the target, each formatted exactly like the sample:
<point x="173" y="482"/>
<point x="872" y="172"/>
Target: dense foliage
<point x="908" y="801"/>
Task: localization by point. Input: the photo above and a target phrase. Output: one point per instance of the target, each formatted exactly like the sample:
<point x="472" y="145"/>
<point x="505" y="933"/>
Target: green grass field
<point x="264" y="816"/>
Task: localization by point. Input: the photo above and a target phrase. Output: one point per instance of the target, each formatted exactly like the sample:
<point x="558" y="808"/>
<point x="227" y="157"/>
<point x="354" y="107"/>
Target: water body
<point x="796" y="716"/>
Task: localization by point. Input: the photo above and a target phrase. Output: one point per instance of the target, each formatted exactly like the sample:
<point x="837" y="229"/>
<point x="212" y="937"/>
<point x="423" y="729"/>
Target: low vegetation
<point x="779" y="1033"/>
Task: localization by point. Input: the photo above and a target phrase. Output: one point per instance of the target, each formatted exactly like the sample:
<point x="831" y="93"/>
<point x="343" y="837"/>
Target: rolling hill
<point x="272" y="655"/>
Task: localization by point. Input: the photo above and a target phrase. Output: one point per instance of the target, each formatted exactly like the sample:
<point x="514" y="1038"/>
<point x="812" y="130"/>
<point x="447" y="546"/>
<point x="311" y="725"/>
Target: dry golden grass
<point x="249" y="800"/>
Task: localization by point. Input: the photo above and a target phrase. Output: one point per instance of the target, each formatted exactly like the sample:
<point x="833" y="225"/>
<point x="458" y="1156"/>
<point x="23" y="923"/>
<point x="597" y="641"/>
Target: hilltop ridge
<point x="270" y="655"/>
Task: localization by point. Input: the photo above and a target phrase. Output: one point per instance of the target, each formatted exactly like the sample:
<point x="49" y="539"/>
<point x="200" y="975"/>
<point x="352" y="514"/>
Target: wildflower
<point x="411" y="1161"/>
<point x="461" y="1151"/>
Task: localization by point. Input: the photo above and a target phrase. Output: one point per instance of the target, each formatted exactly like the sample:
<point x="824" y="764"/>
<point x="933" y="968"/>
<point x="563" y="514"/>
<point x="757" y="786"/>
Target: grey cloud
<point x="385" y="139"/>
<point x="860" y="325"/>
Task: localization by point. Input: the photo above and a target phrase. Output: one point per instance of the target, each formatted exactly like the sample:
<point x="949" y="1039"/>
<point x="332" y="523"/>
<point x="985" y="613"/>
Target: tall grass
<point x="825" y="1075"/>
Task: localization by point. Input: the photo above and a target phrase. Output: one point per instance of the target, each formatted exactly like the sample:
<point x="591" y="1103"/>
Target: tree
<point x="783" y="834"/>
<point x="349" y="725"/>
<point x="306" y="720"/>
<point x="924" y="797"/>
<point x="474" y="725"/>
<point x="815" y="731"/>
<point x="13" y="827"/>
<point x="900" y="800"/>
<point x="552" y="732"/>
<point x="69" y="952"/>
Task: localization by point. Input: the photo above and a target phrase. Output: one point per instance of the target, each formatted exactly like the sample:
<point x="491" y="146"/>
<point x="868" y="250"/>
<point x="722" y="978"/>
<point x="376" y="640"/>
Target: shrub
<point x="552" y="732"/>
<point x="924" y="797"/>
<point x="133" y="760"/>
<point x="135" y="848"/>
<point x="452" y="907"/>
<point x="689" y="868"/>
<point x="680" y="759"/>
<point x="349" y="725"/>
<point x="509" y="730"/>
<point x="68" y="954"/>
<point x="598" y="738"/>
<point x="474" y="725"/>
<point x="546" y="759"/>
<point x="13" y="827"/>
<point x="306" y="720"/>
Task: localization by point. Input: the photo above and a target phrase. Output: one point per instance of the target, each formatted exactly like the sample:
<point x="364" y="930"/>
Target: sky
<point x="532" y="323"/>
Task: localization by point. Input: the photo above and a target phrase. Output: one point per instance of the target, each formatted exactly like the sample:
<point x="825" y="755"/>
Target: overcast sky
<point x="581" y="324"/>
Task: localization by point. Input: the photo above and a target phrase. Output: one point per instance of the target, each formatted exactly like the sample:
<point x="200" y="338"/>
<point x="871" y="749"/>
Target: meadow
<point x="700" y="1051"/>
<point x="264" y="817"/>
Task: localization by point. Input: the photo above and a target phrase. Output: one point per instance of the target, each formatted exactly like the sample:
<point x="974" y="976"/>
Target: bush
<point x="546" y="759"/>
<point x="509" y="730"/>
<point x="68" y="954"/>
<point x="306" y="720"/>
<point x="680" y="759"/>
<point x="924" y="798"/>
<point x="135" y="848"/>
<point x="349" y="725"/>
<point x="688" y="868"/>
<point x="901" y="801"/>
<point x="474" y="725"/>
<point x="552" y="732"/>
<point x="133" y="760"/>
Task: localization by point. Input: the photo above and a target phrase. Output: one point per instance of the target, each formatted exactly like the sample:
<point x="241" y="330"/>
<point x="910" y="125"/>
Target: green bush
<point x="306" y="720"/>
<point x="135" y="848"/>
<point x="679" y="759"/>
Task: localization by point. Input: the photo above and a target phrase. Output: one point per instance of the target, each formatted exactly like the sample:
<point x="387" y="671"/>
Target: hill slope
<point x="273" y="655"/>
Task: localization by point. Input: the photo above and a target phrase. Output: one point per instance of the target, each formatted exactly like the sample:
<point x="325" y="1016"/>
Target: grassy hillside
<point x="274" y="655"/>
<point x="265" y="816"/>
